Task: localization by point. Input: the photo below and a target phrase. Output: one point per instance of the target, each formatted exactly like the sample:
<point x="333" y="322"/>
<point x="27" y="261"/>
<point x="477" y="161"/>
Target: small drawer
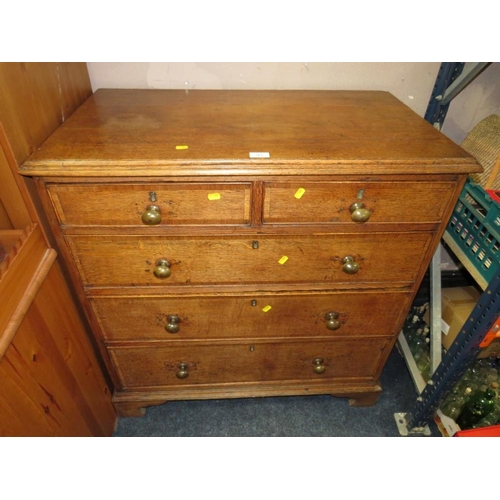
<point x="331" y="202"/>
<point x="184" y="261"/>
<point x="340" y="314"/>
<point x="156" y="365"/>
<point x="151" y="204"/>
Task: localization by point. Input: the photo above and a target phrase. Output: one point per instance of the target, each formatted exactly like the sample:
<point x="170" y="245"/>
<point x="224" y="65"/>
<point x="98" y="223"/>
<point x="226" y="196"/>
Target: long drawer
<point x="330" y="202"/>
<point x="231" y="316"/>
<point x="134" y="260"/>
<point x="176" y="203"/>
<point x="155" y="365"/>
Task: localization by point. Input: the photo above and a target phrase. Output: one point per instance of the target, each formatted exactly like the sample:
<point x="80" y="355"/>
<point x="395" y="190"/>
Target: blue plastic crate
<point x="475" y="227"/>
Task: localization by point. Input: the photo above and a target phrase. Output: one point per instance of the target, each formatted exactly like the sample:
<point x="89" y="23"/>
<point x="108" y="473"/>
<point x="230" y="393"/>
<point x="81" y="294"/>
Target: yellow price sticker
<point x="266" y="309"/>
<point x="214" y="196"/>
<point x="299" y="193"/>
<point x="283" y="259"/>
<point x="181" y="147"/>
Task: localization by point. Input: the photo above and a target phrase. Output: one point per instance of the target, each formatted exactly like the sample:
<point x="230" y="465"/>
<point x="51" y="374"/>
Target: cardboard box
<point x="456" y="305"/>
<point x="492" y="351"/>
<point x="446" y="425"/>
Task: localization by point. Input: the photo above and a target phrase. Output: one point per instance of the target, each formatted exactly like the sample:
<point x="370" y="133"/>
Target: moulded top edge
<point x="131" y="168"/>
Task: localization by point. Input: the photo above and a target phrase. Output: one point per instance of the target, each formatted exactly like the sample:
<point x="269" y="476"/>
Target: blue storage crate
<point x="475" y="227"/>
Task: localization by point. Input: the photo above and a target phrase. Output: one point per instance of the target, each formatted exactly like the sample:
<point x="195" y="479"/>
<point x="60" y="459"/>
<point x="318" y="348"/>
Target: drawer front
<point x="131" y="260"/>
<point x="125" y="204"/>
<point x="244" y="316"/>
<point x="156" y="366"/>
<point x="323" y="202"/>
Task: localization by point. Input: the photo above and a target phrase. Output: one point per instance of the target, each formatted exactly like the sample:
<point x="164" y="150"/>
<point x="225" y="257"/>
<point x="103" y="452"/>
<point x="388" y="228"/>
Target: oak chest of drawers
<point x="246" y="243"/>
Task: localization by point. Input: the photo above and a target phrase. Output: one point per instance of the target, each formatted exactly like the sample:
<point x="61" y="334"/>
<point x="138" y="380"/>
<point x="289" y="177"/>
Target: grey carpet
<point x="300" y="416"/>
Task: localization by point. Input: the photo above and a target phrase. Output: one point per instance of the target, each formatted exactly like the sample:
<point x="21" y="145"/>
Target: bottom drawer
<point x="158" y="366"/>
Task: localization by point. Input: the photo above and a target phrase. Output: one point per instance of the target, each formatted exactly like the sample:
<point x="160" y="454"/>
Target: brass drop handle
<point x="358" y="212"/>
<point x="182" y="371"/>
<point x="172" y="325"/>
<point x="162" y="269"/>
<point x="349" y="265"/>
<point x="318" y="367"/>
<point x="152" y="215"/>
<point x="332" y="321"/>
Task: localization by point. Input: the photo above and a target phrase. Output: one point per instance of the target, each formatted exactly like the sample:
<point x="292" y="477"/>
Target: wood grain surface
<point x="255" y="269"/>
<point x="179" y="203"/>
<point x="157" y="365"/>
<point x="340" y="131"/>
<point x="394" y="201"/>
<point x="53" y="384"/>
<point x="36" y="98"/>
<point x="130" y="260"/>
<point x="234" y="316"/>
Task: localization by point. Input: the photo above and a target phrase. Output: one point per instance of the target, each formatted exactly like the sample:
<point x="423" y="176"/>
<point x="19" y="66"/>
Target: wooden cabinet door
<point x="53" y="383"/>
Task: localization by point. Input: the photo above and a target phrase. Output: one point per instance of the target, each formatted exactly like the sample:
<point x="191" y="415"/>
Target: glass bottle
<point x="424" y="361"/>
<point x="416" y="341"/>
<point x="490" y="419"/>
<point x="479" y="405"/>
<point x="496" y="409"/>
<point x="494" y="387"/>
<point x="427" y="333"/>
<point x="485" y="374"/>
<point x="411" y="329"/>
<point x="471" y="378"/>
<point x="454" y="404"/>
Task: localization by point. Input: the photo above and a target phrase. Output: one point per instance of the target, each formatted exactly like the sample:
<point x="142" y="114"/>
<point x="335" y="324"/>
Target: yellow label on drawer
<point x="300" y="192"/>
<point x="214" y="196"/>
<point x="181" y="147"/>
<point x="267" y="308"/>
<point x="283" y="259"/>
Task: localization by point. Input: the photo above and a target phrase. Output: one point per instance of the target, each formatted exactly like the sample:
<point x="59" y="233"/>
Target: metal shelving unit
<point x="463" y="351"/>
<point x="446" y="372"/>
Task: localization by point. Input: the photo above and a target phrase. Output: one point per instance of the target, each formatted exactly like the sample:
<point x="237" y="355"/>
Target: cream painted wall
<point x="481" y="98"/>
<point x="412" y="83"/>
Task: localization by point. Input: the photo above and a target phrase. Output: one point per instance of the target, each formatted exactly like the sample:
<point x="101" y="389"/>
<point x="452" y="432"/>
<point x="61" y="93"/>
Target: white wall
<point x="412" y="83"/>
<point x="481" y="98"/>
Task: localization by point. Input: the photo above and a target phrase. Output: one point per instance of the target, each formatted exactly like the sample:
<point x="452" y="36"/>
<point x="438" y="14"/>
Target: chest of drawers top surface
<point x="136" y="133"/>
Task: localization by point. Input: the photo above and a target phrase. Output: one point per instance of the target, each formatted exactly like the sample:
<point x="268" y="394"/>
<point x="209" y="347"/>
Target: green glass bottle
<point x="453" y="405"/>
<point x="424" y="361"/>
<point x="479" y="405"/>
<point x="490" y="419"/>
<point x="416" y="340"/>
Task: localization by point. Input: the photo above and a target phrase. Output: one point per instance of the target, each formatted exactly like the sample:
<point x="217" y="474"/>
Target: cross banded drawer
<point x="227" y="316"/>
<point x="130" y="204"/>
<point x="155" y="365"/>
<point x="326" y="258"/>
<point x="330" y="202"/>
